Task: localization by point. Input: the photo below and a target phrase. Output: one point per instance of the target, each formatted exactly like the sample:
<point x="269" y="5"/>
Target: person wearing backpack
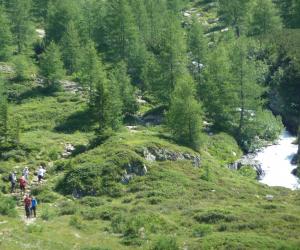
<point x="22" y="183"/>
<point x="26" y="174"/>
<point x="27" y="205"/>
<point x="33" y="206"/>
<point x="13" y="179"/>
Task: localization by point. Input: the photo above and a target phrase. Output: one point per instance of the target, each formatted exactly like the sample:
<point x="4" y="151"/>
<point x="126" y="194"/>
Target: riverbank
<point x="275" y="161"/>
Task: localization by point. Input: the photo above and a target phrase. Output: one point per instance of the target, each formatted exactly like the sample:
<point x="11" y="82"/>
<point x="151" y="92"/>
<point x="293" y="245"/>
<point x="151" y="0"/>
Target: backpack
<point x="10" y="178"/>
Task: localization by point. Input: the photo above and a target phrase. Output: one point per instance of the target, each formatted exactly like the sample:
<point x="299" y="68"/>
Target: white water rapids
<point x="276" y="163"/>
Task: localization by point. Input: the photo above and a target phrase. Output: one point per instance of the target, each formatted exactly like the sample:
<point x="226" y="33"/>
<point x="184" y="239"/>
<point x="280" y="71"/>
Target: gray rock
<point x="161" y="154"/>
<point x="294" y="160"/>
<point x="269" y="197"/>
<point x="4" y="68"/>
<point x="248" y="160"/>
<point x="127" y="178"/>
<point x="148" y="156"/>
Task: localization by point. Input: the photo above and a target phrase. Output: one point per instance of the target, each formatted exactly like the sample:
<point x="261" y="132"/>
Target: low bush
<point x="47" y="214"/>
<point x="202" y="230"/>
<point x="34" y="228"/>
<point x="7" y="206"/>
<point x="213" y="217"/>
<point x="67" y="208"/>
<point x="91" y="201"/>
<point x="76" y="222"/>
<point x="44" y="194"/>
<point x="165" y="243"/>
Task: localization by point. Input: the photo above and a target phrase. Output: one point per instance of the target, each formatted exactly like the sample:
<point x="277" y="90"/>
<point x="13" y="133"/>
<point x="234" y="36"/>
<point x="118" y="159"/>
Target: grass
<point x="227" y="210"/>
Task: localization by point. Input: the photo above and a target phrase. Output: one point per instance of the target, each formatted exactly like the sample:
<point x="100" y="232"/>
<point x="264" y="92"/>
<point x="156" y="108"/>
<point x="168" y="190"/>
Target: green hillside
<point x="137" y="109"/>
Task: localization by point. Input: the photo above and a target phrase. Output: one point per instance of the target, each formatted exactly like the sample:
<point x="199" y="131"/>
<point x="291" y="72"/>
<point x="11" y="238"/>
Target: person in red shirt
<point x="27" y="204"/>
<point x="22" y="182"/>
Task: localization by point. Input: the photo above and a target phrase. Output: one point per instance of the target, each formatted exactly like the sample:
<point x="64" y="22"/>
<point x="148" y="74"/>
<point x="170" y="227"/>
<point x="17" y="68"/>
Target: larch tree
<point x="6" y="36"/>
<point x="71" y="49"/>
<point x="121" y="79"/>
<point x="3" y="115"/>
<point x="245" y="79"/>
<point x="185" y="114"/>
<point x="235" y="13"/>
<point x="173" y="59"/>
<point x="22" y="27"/>
<point x="265" y="19"/>
<point x="51" y="65"/>
<point x="197" y="47"/>
<point x="218" y="92"/>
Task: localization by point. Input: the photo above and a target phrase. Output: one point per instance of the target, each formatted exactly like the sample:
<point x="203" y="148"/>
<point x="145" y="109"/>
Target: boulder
<point x="248" y="160"/>
<point x="162" y="154"/>
<point x="133" y="169"/>
<point x="269" y="197"/>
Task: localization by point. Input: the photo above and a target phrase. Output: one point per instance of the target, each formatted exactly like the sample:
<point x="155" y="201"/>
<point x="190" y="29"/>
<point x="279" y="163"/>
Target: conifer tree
<point x="59" y="15"/>
<point x="71" y="49"/>
<point x="3" y="115"/>
<point x="120" y="78"/>
<point x="5" y="36"/>
<point x="142" y="21"/>
<point x="245" y="79"/>
<point x="106" y="102"/>
<point x="185" y="114"/>
<point x="22" y="27"/>
<point x="235" y="13"/>
<point x="265" y="18"/>
<point x="51" y="65"/>
<point x="172" y="58"/>
<point x="157" y="14"/>
<point x="197" y="48"/>
<point x="104" y="97"/>
<point x="218" y="92"/>
<point x="123" y="39"/>
<point x="89" y="70"/>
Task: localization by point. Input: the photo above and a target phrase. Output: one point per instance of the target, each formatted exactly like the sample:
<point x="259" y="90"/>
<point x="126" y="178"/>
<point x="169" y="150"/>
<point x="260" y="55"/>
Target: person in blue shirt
<point x="33" y="206"/>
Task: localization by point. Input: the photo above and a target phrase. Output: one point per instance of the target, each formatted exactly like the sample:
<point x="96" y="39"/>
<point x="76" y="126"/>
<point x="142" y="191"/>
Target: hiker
<point x="26" y="174"/>
<point x="27" y="204"/>
<point x="13" y="179"/>
<point x="33" y="206"/>
<point x="22" y="182"/>
<point x="41" y="173"/>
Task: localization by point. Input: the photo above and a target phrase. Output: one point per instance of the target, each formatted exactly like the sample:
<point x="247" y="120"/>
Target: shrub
<point x="33" y="228"/>
<point x="95" y="248"/>
<point x="76" y="222"/>
<point x="92" y="180"/>
<point x="47" y="214"/>
<point x="24" y="68"/>
<point x="91" y="214"/>
<point x="7" y="206"/>
<point x="44" y="194"/>
<point x="91" y="201"/>
<point x="165" y="243"/>
<point x="67" y="208"/>
<point x="213" y="217"/>
<point x="202" y="230"/>
<point x="248" y="171"/>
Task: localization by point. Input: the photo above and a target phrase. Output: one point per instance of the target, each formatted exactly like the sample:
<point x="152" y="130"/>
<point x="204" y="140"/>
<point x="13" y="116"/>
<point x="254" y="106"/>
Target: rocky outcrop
<point x="248" y="160"/>
<point x="161" y="154"/>
<point x="132" y="170"/>
<point x="68" y="150"/>
<point x="4" y="68"/>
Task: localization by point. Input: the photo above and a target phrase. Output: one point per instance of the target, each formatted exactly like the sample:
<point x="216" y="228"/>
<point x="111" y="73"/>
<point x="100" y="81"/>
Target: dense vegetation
<point x="215" y="78"/>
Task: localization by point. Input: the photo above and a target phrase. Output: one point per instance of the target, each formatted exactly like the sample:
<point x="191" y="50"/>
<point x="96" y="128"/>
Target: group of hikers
<point x="30" y="202"/>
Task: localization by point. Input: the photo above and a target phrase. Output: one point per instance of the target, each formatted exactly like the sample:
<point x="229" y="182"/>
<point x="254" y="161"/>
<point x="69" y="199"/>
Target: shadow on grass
<point x="36" y="93"/>
<point x="83" y="121"/>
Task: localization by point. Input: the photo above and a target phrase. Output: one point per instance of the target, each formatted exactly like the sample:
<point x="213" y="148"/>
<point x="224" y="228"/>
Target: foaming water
<point x="276" y="163"/>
